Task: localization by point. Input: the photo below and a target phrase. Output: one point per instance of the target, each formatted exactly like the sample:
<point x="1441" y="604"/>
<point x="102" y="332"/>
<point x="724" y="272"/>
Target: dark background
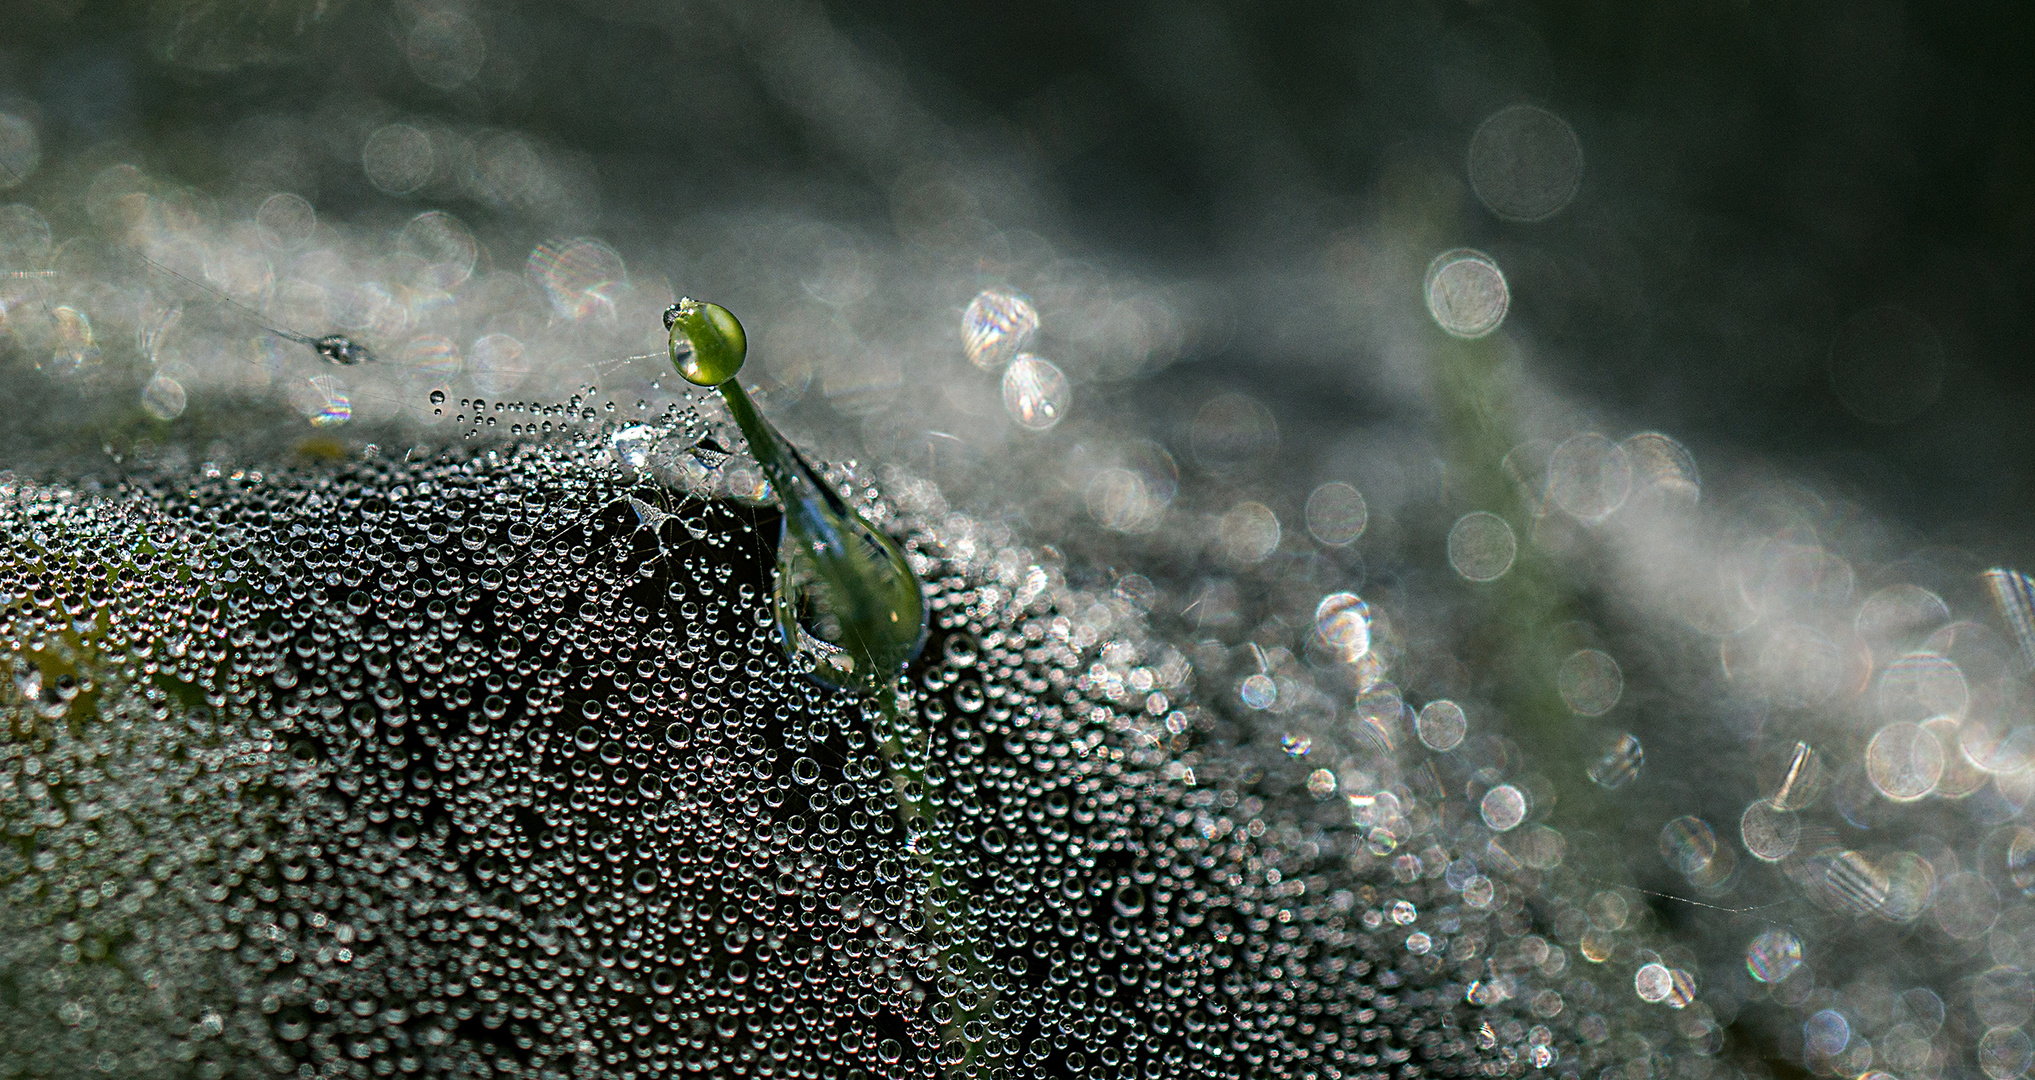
<point x="1756" y="173"/>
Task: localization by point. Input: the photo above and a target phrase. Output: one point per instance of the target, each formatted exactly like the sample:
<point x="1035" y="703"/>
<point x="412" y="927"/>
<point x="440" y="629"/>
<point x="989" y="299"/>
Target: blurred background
<point x="1713" y="193"/>
<point x="1658" y="375"/>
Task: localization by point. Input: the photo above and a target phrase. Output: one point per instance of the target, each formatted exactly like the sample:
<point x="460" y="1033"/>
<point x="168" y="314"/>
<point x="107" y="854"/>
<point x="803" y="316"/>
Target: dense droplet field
<point x="489" y="762"/>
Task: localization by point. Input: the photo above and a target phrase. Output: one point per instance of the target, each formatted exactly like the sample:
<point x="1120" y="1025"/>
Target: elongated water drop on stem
<point x="848" y="607"/>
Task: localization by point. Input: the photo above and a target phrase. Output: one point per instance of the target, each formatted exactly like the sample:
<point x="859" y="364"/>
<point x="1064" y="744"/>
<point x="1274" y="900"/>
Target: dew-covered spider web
<point x="489" y="763"/>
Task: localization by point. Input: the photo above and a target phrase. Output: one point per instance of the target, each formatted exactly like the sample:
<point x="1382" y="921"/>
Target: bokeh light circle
<point x="445" y="49"/>
<point x="446" y="246"/>
<point x="20" y="150"/>
<point x="1589" y="477"/>
<point x="1481" y="546"/>
<point x="1827" y="1033"/>
<point x="1770" y="834"/>
<point x="1249" y="532"/>
<point x="1590" y="682"/>
<point x="1688" y="844"/>
<point x="398" y="159"/>
<point x="1343" y="622"/>
<point x="1466" y="293"/>
<point x="1336" y="514"/>
<point x="1886" y="365"/>
<point x="1620" y="762"/>
<point x="163" y="397"/>
<point x="2005" y="1053"/>
<point x="1525" y="163"/>
<point x="1904" y="761"/>
<point x="1503" y="807"/>
<point x="1441" y="724"/>
<point x="287" y="220"/>
<point x="1653" y="982"/>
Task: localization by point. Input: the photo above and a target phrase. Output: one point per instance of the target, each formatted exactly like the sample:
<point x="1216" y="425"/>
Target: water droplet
<point x="707" y="344"/>
<point x="1773" y="955"/>
<point x="995" y="326"/>
<point x="847" y="602"/>
<point x="1620" y="763"/>
<point x="1035" y="392"/>
<point x="1344" y="623"/>
<point x="632" y="444"/>
<point x="1770" y="834"/>
<point x="1688" y="844"/>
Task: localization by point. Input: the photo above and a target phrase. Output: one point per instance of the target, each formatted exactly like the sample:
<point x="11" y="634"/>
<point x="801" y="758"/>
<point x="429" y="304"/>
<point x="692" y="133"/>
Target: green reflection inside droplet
<point x="707" y="342"/>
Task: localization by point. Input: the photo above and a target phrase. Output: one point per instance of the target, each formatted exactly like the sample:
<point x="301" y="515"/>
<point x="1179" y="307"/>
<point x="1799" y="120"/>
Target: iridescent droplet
<point x="996" y="325"/>
<point x="1620" y="763"/>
